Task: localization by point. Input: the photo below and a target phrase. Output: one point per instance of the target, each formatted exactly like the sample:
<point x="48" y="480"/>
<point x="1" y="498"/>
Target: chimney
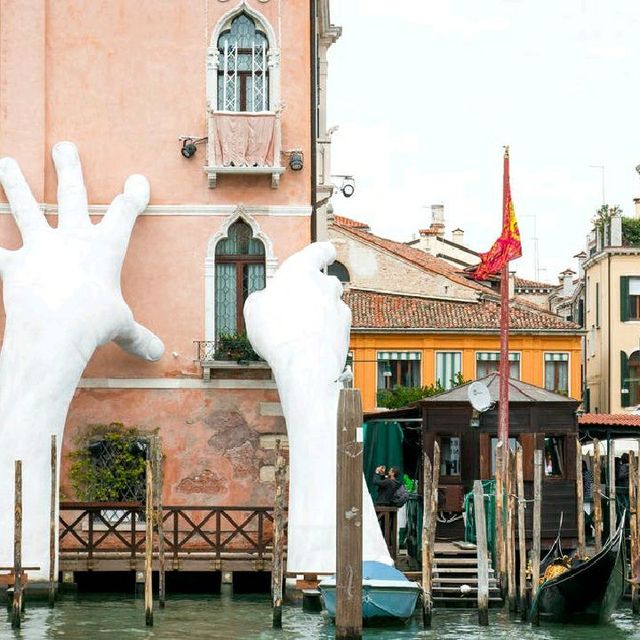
<point x="512" y="285"/>
<point x="566" y="280"/>
<point x="457" y="236"/>
<point x="437" y="219"/>
<point x="582" y="256"/>
<point x="636" y="202"/>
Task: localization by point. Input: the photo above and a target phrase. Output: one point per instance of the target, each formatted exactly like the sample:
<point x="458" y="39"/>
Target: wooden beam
<point x="597" y="496"/>
<point x="427" y="599"/>
<point x="633" y="531"/>
<point x="483" y="560"/>
<point x="510" y="467"/>
<point x="431" y="518"/>
<point x="277" y="571"/>
<point x="537" y="522"/>
<point x="611" y="488"/>
<point x="582" y="543"/>
<point x="158" y="477"/>
<point x="349" y="518"/>
<point x="16" y="606"/>
<point x="53" y="521"/>
<point x="500" y="546"/>
<point x="148" y="549"/>
<point x="522" y="540"/>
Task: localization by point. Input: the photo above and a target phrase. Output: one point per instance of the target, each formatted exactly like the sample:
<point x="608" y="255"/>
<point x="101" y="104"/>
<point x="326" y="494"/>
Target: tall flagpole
<point x="503" y="406"/>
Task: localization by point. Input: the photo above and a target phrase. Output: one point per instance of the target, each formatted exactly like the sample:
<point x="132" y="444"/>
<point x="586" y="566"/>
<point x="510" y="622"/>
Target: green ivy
<point x="631" y="231"/>
<point x="235" y="346"/>
<point x="401" y="396"/>
<point x="121" y="478"/>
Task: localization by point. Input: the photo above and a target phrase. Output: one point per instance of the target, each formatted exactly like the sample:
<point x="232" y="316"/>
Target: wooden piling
<point x="522" y="540"/>
<point x="348" y="622"/>
<point x="148" y="549"/>
<point x="481" y="549"/>
<point x="277" y="570"/>
<point x="611" y="486"/>
<point x="427" y="573"/>
<point x="511" y="535"/>
<point x="537" y="524"/>
<point x="597" y="496"/>
<point x="430" y="480"/>
<point x="582" y="543"/>
<point x="158" y="477"/>
<point x="499" y="534"/>
<point x="53" y="521"/>
<point x="633" y="530"/>
<point x="16" y="606"/>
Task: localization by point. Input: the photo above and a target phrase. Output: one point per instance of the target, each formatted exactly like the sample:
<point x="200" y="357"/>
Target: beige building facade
<point x="612" y="296"/>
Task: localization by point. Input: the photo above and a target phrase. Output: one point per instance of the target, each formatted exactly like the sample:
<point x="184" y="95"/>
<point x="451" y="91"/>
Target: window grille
<point x="243" y="75"/>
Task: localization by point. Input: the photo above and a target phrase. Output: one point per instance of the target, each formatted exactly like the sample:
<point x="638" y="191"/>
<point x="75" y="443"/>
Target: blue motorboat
<point x="387" y="594"/>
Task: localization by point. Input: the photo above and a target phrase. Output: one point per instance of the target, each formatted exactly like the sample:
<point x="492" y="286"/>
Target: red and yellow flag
<point x="508" y="246"/>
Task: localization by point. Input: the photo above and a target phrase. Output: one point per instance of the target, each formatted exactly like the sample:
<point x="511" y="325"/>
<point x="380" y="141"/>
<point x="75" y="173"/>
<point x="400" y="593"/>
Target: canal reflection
<point x="249" y="618"/>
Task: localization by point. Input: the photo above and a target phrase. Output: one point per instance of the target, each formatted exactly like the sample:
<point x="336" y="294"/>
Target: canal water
<point x="95" y="617"/>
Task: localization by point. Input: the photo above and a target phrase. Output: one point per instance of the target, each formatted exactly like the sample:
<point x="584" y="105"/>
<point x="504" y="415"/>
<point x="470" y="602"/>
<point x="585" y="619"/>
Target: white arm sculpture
<point x="300" y="326"/>
<point x="62" y="299"/>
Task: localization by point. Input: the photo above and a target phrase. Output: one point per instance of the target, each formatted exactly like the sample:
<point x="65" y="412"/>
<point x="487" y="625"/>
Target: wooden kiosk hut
<point x="538" y="419"/>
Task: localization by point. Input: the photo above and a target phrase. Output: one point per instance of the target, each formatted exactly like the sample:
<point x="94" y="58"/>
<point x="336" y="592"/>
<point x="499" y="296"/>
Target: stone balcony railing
<point x="221" y="363"/>
<point x="244" y="143"/>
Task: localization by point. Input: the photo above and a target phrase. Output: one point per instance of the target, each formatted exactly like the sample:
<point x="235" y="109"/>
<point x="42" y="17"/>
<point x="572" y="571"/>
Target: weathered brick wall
<point x="372" y="268"/>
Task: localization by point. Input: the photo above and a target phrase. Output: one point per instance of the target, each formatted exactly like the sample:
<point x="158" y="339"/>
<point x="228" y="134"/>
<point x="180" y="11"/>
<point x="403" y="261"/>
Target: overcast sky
<point x="426" y="92"/>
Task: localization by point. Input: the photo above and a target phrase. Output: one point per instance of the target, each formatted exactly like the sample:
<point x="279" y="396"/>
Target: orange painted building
<point x="418" y="320"/>
<point x="220" y="104"/>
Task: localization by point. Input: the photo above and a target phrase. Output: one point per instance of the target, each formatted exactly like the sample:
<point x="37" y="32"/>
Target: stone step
<point x="469" y="581"/>
<point x="458" y="570"/>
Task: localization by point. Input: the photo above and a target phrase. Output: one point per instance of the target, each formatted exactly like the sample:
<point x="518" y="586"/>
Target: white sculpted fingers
<point x="72" y="194"/>
<point x="314" y="257"/>
<point x="24" y="207"/>
<point x="122" y="213"/>
<point x="139" y="341"/>
<point x="5" y="259"/>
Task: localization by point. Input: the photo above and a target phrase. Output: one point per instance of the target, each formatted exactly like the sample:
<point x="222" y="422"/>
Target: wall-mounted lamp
<point x="348" y="186"/>
<point x="296" y="160"/>
<point x="189" y="145"/>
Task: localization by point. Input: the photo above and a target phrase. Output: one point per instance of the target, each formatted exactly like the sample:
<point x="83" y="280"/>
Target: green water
<point x="248" y="617"/>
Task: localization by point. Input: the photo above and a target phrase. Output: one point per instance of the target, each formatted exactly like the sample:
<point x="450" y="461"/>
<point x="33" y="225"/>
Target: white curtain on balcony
<point x="243" y="139"/>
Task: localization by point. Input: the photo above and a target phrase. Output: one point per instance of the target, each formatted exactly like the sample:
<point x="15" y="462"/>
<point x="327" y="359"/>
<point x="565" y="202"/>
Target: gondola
<point x="586" y="593"/>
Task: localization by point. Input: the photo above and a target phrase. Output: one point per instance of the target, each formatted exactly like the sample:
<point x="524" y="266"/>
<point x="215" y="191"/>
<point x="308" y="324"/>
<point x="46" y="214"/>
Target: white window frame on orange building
<point x="514" y="356"/>
<point x="447" y="384"/>
<point x="544" y="368"/>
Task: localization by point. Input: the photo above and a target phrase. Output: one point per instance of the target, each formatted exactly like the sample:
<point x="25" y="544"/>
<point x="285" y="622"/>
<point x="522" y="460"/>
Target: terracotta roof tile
<point x="421" y="259"/>
<point x="610" y="419"/>
<point x="522" y="283"/>
<point x="374" y="310"/>
<point x="349" y="223"/>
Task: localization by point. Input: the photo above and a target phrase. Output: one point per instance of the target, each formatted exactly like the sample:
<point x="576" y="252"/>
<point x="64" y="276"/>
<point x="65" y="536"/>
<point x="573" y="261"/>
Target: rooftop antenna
<point x="479" y="397"/>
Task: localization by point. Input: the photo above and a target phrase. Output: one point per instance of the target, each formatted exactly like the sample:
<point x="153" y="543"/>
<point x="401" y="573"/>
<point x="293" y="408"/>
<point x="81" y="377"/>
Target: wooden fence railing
<point x="92" y="527"/>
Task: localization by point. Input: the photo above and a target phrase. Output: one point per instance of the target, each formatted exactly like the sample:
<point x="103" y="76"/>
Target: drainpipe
<point x="313" y="75"/>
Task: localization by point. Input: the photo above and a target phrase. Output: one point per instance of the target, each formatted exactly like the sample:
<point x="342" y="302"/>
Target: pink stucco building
<point x="134" y="84"/>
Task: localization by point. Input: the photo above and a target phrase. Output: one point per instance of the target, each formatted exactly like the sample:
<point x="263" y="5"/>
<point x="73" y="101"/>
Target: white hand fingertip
<point x="65" y="154"/>
<point x="9" y="169"/>
<point x="155" y="349"/>
<point x="137" y="190"/>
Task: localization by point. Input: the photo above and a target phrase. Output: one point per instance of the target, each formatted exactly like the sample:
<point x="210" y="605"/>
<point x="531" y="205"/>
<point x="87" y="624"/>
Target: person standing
<point x="387" y="485"/>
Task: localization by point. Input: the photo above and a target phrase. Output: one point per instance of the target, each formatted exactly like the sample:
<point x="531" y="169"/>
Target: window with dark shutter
<point x="624" y="379"/>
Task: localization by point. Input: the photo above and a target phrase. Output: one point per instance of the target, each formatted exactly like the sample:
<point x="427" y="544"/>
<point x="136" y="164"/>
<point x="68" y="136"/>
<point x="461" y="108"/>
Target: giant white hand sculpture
<point x="300" y="326"/>
<point x="62" y="299"/>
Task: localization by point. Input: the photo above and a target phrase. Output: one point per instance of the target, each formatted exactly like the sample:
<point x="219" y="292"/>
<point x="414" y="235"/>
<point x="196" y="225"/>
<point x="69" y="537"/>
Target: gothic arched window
<point x="239" y="271"/>
<point x="338" y="270"/>
<point x="243" y="82"/>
